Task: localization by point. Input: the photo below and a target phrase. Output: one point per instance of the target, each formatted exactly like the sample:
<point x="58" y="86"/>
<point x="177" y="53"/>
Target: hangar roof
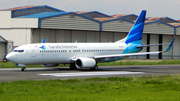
<point x="52" y="14"/>
<point x="29" y="10"/>
<point x="82" y="12"/>
<point x="174" y="24"/>
<point x="18" y="8"/>
<point x="103" y="19"/>
<point x="2" y="39"/>
<point x="127" y="17"/>
<point x="163" y="19"/>
<point x="118" y="15"/>
<point x="45" y="15"/>
<point x="31" y="7"/>
<point x="42" y="12"/>
<point x="93" y="14"/>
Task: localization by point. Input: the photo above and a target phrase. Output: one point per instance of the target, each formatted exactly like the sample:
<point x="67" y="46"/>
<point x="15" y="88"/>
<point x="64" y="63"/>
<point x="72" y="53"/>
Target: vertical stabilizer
<point x="43" y="41"/>
<point x="135" y="34"/>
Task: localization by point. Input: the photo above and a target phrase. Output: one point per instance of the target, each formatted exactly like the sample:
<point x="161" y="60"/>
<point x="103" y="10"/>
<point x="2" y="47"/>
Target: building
<point x="5" y="47"/>
<point x="30" y="24"/>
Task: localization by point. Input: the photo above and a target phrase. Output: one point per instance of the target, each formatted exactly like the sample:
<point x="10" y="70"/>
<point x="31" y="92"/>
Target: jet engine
<point x="83" y="62"/>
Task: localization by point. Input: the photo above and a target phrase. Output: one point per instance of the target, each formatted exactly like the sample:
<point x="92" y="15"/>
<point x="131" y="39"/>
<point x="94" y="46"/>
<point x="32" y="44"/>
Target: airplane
<point x="83" y="55"/>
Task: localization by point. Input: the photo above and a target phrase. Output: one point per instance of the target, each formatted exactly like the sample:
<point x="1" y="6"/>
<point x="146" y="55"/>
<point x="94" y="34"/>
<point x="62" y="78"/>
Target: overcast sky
<point x="155" y="8"/>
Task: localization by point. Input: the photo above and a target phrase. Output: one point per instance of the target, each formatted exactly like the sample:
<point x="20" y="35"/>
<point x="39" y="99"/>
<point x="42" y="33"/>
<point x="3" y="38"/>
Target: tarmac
<point x="50" y="73"/>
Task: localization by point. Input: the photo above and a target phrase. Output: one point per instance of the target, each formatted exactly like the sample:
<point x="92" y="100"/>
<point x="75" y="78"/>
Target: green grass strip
<point x="117" y="63"/>
<point x="155" y="88"/>
<point x="141" y="62"/>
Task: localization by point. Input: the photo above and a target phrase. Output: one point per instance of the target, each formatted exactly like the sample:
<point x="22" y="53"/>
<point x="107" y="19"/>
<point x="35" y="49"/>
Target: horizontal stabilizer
<point x="152" y="45"/>
<point x="134" y="54"/>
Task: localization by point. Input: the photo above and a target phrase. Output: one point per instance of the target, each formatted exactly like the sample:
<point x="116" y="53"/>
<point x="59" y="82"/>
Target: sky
<point x="155" y="8"/>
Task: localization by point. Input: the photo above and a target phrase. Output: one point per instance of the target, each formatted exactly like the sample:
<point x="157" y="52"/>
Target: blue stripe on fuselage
<point x="132" y="47"/>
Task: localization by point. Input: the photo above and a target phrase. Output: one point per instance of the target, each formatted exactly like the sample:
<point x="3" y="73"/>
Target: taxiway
<point x="7" y="75"/>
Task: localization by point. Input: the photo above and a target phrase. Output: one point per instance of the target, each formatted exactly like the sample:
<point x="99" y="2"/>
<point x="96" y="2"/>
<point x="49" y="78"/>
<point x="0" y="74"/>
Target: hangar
<point x="3" y="44"/>
<point x="6" y="46"/>
<point x="30" y="24"/>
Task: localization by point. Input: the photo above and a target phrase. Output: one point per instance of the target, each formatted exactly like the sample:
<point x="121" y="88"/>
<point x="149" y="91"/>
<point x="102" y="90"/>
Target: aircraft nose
<point x="10" y="57"/>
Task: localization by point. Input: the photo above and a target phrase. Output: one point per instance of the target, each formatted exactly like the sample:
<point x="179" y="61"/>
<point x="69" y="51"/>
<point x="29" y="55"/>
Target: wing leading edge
<point x="134" y="54"/>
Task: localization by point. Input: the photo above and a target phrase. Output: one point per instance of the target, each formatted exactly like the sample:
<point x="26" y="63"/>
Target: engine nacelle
<point x="83" y="62"/>
<point x="49" y="65"/>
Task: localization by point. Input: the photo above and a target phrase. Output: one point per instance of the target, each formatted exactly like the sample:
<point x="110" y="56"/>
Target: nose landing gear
<point x="23" y="69"/>
<point x="23" y="66"/>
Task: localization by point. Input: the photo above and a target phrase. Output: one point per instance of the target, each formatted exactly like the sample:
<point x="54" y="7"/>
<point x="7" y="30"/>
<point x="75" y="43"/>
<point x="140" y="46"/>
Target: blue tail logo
<point x="135" y="34"/>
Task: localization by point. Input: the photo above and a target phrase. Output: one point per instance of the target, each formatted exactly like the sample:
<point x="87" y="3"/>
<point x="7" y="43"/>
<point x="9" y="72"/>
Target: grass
<point x="141" y="62"/>
<point x="12" y="65"/>
<point x="117" y="63"/>
<point x="155" y="88"/>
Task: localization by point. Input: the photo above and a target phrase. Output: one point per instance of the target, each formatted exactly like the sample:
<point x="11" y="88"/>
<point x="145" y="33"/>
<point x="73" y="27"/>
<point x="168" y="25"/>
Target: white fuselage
<point x="62" y="53"/>
<point x="82" y="55"/>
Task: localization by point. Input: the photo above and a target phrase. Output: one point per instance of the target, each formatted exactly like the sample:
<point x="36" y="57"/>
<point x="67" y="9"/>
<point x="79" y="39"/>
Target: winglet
<point x="170" y="46"/>
<point x="43" y="41"/>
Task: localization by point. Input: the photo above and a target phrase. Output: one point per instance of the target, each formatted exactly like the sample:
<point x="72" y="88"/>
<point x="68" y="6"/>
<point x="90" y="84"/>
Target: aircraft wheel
<point x="23" y="69"/>
<point x="73" y="66"/>
<point x="94" y="68"/>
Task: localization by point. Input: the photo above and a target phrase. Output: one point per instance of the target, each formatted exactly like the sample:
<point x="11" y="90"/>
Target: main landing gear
<point x="95" y="67"/>
<point x="23" y="69"/>
<point x="73" y="66"/>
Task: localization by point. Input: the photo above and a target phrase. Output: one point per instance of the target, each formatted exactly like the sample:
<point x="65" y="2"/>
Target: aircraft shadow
<point x="100" y="69"/>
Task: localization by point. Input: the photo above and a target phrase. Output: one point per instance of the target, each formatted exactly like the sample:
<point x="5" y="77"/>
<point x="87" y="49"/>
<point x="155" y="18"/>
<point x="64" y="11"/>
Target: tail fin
<point x="43" y="41"/>
<point x="135" y="34"/>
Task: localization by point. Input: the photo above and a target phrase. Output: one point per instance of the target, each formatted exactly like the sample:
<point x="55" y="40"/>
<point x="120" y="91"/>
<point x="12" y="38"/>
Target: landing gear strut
<point x="73" y="66"/>
<point x="95" y="67"/>
<point x="23" y="69"/>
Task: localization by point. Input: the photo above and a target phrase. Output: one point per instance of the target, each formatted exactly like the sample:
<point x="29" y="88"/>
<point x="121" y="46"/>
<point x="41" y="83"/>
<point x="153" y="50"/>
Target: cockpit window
<point x="15" y="50"/>
<point x="19" y="51"/>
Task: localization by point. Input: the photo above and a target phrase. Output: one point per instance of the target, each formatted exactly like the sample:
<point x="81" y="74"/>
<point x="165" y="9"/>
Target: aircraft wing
<point x="134" y="54"/>
<point x="123" y="55"/>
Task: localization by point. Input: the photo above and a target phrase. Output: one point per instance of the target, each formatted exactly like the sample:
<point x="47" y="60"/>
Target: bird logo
<point x="43" y="47"/>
